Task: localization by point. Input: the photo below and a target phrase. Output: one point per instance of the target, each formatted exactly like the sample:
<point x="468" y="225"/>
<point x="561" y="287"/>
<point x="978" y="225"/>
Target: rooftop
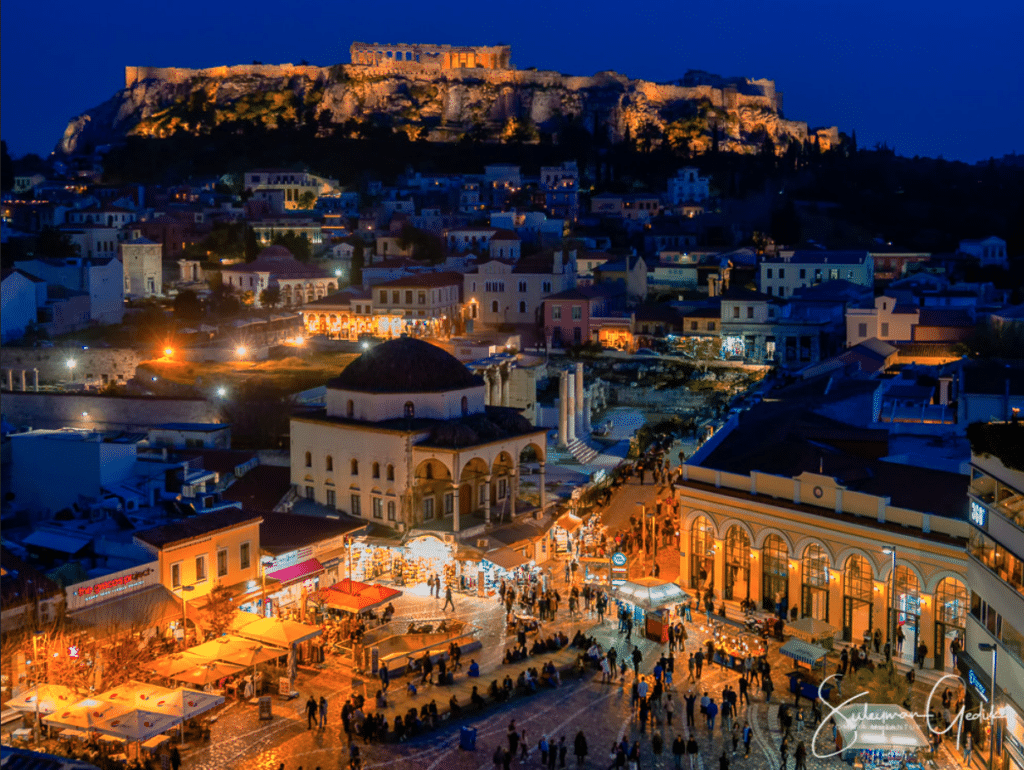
<point x="196" y="526"/>
<point x="405" y="365"/>
<point x="262" y="488"/>
<point x="283" y="532"/>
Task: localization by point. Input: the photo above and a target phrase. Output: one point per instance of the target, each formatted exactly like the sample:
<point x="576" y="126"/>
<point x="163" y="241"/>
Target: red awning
<point x="295" y="571"/>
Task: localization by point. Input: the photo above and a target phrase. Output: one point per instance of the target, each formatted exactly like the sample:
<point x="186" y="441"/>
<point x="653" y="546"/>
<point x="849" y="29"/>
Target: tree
<point x="251" y="246"/>
<point x="218" y="612"/>
<point x="270" y="296"/>
<point x="425" y="245"/>
<point x="6" y="169"/>
<point x="307" y="200"/>
<point x="187" y="306"/>
<point x="51" y="242"/>
<point x="297" y="244"/>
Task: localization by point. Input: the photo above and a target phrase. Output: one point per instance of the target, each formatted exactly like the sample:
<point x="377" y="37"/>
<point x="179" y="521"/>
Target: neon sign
<point x="114" y="584"/>
<point x="979" y="514"/>
<point x="973" y="680"/>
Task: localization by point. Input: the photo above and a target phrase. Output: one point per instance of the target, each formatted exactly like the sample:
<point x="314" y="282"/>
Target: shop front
<point x="1005" y="733"/>
<point x="877" y="736"/>
<point x="652" y="603"/>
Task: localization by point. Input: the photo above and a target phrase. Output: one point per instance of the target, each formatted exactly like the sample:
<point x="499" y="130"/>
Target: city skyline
<point x="919" y="82"/>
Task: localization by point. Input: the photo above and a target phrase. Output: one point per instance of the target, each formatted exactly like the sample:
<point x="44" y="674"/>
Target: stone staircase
<point x="582" y="451"/>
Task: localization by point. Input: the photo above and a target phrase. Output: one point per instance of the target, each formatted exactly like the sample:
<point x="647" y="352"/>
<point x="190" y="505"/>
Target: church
<point x="405" y="441"/>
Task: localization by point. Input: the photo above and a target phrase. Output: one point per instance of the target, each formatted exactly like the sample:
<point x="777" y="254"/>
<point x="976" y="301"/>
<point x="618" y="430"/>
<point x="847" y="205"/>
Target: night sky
<point x="936" y="78"/>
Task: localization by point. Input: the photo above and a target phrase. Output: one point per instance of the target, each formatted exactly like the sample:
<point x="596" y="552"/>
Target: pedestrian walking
<point x="690" y="698"/>
<point x="968" y="749"/>
<point x="712" y="709"/>
<point x="692" y="750"/>
<point x="175" y="758"/>
<point x="678" y="751"/>
<point x="580" y="748"/>
<point x="311" y="709"/>
<point x="748" y="734"/>
<point x="448" y="598"/>
<point x="323" y="712"/>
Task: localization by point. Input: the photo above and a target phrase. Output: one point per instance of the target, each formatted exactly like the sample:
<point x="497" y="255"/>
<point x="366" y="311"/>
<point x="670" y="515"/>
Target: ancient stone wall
<point x="180" y="75"/>
<point x="79" y="410"/>
<point x="93" y="365"/>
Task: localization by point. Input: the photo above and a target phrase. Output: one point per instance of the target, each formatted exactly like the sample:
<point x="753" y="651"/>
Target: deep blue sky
<point x="929" y="78"/>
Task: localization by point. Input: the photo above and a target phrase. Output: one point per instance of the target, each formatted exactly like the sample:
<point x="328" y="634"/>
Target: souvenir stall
<point x="813" y="631"/>
<point x="422" y="557"/>
<point x="507" y="564"/>
<point x="733" y="645"/>
<point x="562" y="532"/>
<point x="650" y="602"/>
<point x="370" y="559"/>
<point x="880" y="737"/>
<point x="471" y="578"/>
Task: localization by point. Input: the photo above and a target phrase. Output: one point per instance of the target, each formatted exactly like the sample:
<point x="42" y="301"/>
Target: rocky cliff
<point x="489" y="104"/>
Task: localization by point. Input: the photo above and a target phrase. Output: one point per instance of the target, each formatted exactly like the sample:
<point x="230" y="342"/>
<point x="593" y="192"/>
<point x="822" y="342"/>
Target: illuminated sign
<point x="72" y="651"/>
<point x="979" y="514"/>
<point x="619" y="559"/>
<point x="112" y="585"/>
<point x="972" y="678"/>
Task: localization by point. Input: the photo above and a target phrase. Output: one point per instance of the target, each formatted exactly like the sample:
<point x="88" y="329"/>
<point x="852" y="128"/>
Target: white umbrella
<point x="186" y="704"/>
<point x="138" y="725"/>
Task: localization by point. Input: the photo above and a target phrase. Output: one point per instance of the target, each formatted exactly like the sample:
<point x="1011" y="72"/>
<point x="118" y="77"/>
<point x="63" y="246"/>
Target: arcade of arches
<point x="829" y="575"/>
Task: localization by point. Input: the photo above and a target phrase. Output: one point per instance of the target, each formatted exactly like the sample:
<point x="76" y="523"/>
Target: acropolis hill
<point x="440" y="92"/>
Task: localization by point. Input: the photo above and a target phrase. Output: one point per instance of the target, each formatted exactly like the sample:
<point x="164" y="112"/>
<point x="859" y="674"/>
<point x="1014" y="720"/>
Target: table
<point x="74" y="735"/>
<point x="22" y="734"/>
<point x="154" y="744"/>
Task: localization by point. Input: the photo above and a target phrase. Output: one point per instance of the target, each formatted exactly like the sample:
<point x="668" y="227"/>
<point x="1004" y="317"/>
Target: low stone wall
<point x="91" y="365"/>
<point x="96" y="412"/>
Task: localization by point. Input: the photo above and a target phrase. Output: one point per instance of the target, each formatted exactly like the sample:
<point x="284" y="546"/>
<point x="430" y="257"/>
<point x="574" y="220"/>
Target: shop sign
<point x="979" y="514"/>
<point x="973" y="680"/>
<point x="113" y="585"/>
<point x="619" y="559"/>
<point x="620" y="568"/>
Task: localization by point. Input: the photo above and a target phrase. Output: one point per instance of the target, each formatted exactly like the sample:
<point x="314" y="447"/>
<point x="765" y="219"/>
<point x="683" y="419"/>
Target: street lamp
<point x="71" y="364"/>
<point x="994" y="649"/>
<point x="890" y="626"/>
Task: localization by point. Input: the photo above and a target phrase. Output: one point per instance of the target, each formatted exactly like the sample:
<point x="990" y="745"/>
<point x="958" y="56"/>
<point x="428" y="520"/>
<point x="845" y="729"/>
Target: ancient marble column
<point x="563" y="390"/>
<point x="570" y="406"/>
<point x="35" y="379"/>
<point x="580" y="430"/>
<point x="588" y="404"/>
<point x="505" y="372"/>
<point x="10" y="379"/>
<point x="487" y="499"/>
<point x="24" y="383"/>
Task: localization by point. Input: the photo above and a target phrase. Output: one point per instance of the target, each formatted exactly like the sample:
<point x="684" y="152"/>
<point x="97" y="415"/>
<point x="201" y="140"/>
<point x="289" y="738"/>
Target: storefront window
<point x="775" y="577"/>
<point x="814" y="598"/>
<point x="908" y="609"/>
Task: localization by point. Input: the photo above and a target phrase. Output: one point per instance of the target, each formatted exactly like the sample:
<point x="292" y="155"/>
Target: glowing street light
<point x="222" y="391"/>
<point x="240" y="351"/>
<point x="168" y="352"/>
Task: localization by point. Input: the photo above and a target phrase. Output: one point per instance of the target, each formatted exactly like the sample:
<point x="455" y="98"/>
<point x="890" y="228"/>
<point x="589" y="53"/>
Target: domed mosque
<point x="406" y="440"/>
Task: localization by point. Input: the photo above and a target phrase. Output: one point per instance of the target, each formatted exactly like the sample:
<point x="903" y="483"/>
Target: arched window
<point x="775" y="575"/>
<point x="465" y="406"/>
<point x="908" y="611"/>
<point x="858" y="584"/>
<point x="702" y="555"/>
<point x="355" y="467"/>
<point x="309" y="459"/>
<point x="951" y="601"/>
<point x="814" y="596"/>
<point x="410" y="409"/>
<point x="737" y="563"/>
<point x="391" y="473"/>
<point x="350" y="409"/>
<point x="330" y="463"/>
<point x="376" y="470"/>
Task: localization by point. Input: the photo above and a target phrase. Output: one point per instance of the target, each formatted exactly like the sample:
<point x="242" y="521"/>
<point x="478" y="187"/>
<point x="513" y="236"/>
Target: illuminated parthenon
<point x="444" y="57"/>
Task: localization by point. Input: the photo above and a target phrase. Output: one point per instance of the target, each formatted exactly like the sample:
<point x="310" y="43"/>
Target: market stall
<point x="813" y="631"/>
<point x="876" y="736"/>
<point x="732" y="646"/>
<point x="562" y="531"/>
<point x="808" y="683"/>
<point x="650" y="601"/>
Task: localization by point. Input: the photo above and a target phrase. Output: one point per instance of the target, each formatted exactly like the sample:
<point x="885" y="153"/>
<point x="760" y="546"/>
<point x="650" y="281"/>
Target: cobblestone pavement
<point x="240" y="740"/>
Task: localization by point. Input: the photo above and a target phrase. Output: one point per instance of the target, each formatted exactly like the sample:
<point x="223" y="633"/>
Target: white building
<point x="688" y="186"/>
<point x="20" y="295"/>
<point x="101" y="279"/>
<point x="888" y="321"/>
<point x="989" y="251"/>
<point x="275" y="266"/>
<point x="406" y="439"/>
<point x="293" y="185"/>
<point x="799" y="269"/>
<point x="143" y="268"/>
<point x="500" y="292"/>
